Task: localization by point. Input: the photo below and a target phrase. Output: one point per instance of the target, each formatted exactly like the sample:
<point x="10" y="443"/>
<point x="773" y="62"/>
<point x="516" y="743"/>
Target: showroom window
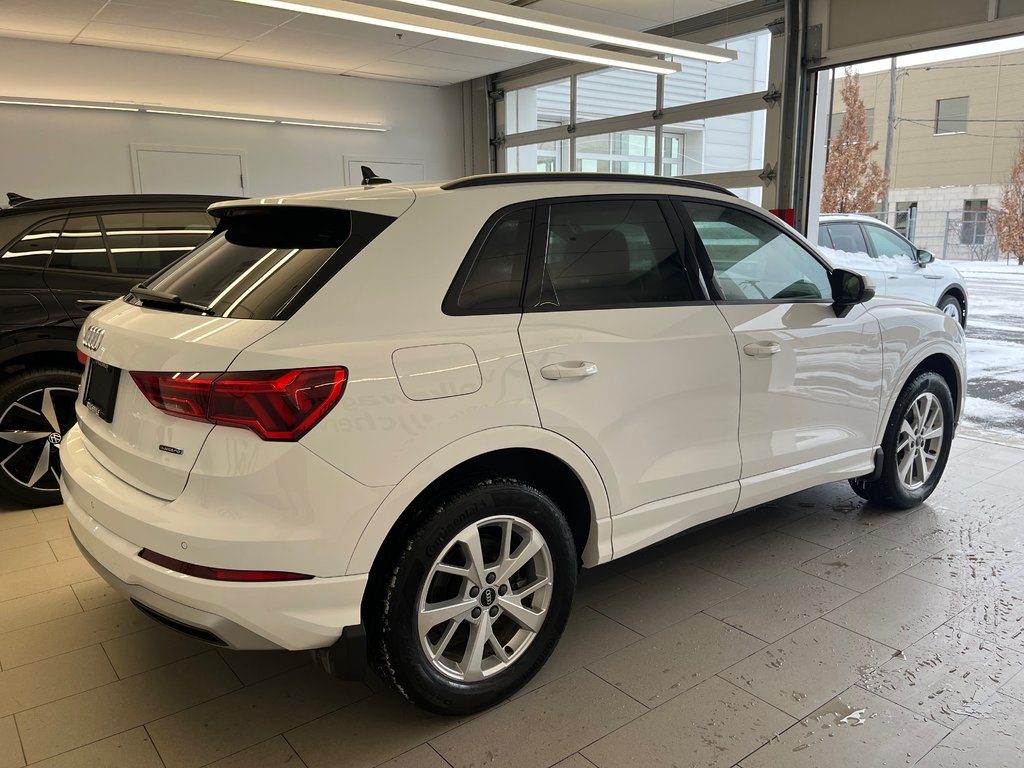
<point x="81" y="247"/>
<point x="753" y="260"/>
<point x="951" y="115"/>
<point x="710" y="120"/>
<point x="608" y="253"/>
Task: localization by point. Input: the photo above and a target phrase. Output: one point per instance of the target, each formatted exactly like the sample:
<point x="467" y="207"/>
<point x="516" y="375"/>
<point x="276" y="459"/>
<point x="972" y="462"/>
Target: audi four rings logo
<point x="93" y="337"/>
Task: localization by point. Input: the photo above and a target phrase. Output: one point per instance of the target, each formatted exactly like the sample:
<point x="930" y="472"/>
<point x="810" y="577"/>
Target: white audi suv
<point x="392" y="422"/>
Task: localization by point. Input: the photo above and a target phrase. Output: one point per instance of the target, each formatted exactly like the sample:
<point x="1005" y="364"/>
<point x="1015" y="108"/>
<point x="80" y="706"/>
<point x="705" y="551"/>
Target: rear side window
<point x="848" y="238"/>
<point x="266" y="262"/>
<point x="81" y="247"/>
<point x="145" y="242"/>
<point x="608" y="253"/>
<point x="33" y="248"/>
<point x="494" y="279"/>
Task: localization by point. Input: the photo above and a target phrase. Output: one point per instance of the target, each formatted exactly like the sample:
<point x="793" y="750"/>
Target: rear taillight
<point x="276" y="405"/>
<point x="219" y="574"/>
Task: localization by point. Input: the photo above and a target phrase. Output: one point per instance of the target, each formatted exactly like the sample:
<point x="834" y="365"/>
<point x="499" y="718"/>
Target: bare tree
<point x="853" y="181"/>
<point x="1010" y="223"/>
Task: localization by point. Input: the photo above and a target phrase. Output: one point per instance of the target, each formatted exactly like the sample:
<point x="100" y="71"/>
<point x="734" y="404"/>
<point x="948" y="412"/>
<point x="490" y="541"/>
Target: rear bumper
<point x="292" y="615"/>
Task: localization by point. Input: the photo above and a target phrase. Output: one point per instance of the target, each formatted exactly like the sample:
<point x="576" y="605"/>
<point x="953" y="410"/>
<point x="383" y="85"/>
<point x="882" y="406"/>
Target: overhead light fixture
<point x="207" y="114"/>
<point x="562" y="25"/>
<point x="410" y="22"/>
<point x="68" y="105"/>
<point x="179" y="112"/>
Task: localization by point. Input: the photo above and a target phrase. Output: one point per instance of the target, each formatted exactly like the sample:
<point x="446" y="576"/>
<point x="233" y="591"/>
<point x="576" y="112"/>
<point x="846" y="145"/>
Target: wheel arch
<point x="552" y="463"/>
<point x="958" y="292"/>
<point x="945" y="365"/>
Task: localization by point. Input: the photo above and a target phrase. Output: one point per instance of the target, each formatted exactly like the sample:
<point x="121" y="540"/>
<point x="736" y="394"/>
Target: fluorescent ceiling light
<point x="67" y="105"/>
<point x="176" y="112"/>
<point x="563" y="25"/>
<point x="335" y="125"/>
<point x="206" y="114"/>
<point x="410" y="22"/>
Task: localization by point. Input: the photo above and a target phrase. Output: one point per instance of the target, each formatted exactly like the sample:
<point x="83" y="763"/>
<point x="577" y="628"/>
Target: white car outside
<point x="416" y="411"/>
<point x="897" y="267"/>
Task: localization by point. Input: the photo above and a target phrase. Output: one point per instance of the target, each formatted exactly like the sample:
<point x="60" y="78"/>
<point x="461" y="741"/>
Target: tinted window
<point x="147" y="241"/>
<point x="81" y="247"/>
<point x="495" y="280"/>
<point x="848" y="238"/>
<point x="889" y="244"/>
<point x="611" y="253"/>
<point x="268" y="261"/>
<point x="754" y="260"/>
<point x="823" y="237"/>
<point x="34" y="247"/>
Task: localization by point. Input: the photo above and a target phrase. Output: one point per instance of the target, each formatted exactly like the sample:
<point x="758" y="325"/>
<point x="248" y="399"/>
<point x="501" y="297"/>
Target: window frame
<point x="30" y="229"/>
<point x="939" y="118"/>
<point x="538" y="252"/>
<point x="112" y="272"/>
<point x="708" y="267"/>
<point x="864" y="236"/>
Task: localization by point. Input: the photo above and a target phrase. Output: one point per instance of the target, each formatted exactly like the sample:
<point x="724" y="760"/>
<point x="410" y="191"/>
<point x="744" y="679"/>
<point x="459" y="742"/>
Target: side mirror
<point x="848" y="289"/>
<point x="924" y="257"/>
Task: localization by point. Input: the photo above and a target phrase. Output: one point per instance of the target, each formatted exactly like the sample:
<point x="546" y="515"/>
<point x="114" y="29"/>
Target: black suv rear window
<point x="265" y="263"/>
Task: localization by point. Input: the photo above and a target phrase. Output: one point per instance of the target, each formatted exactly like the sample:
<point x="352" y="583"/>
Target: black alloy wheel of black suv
<point x="61" y="258"/>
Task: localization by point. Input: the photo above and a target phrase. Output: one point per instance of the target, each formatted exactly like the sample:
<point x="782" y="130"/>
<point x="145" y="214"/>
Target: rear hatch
<point x="190" y="321"/>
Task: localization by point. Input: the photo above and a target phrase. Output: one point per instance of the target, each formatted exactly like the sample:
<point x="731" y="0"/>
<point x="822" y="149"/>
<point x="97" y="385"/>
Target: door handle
<point x="92" y="302"/>
<point x="575" y="369"/>
<point x="894" y="277"/>
<point x="763" y="348"/>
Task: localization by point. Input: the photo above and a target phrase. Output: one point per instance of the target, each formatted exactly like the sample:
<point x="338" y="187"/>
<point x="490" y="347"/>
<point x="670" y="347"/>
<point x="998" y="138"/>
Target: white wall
<point x="46" y="152"/>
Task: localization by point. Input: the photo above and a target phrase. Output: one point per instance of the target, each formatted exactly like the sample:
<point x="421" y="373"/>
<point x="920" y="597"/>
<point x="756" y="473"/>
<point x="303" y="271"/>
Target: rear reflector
<point x="276" y="405"/>
<point x="83" y="358"/>
<point x="218" y="574"/>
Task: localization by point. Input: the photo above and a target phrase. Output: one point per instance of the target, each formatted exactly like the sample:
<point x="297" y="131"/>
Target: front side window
<point x="755" y="261"/>
<point x="145" y="242"/>
<point x="608" y="253"/>
<point x="81" y="247"/>
<point x="494" y="282"/>
<point x="33" y="248"/>
<point x="889" y="245"/>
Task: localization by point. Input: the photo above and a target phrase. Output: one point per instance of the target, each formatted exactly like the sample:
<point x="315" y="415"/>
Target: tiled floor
<point x="813" y="631"/>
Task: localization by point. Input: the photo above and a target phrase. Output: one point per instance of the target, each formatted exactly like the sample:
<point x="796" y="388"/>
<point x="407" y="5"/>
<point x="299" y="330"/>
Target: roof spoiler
<point x="370" y="178"/>
<point x="13" y="198"/>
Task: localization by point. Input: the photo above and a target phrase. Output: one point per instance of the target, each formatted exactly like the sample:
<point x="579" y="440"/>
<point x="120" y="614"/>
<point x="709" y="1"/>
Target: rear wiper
<point x="170" y="300"/>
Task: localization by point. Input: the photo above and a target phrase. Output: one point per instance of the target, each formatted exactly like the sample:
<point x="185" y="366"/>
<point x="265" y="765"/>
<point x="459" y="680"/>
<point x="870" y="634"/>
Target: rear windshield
<point x="264" y="264"/>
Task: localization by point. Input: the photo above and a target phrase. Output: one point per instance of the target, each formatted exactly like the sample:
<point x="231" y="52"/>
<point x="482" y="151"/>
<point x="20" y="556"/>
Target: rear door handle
<point x="574" y="369"/>
<point x="762" y="348"/>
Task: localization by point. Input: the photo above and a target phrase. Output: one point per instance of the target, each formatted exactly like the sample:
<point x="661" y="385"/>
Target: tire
<point x="915" y="447"/>
<point x="37" y="408"/>
<point x="436" y="565"/>
<point x="950" y="305"/>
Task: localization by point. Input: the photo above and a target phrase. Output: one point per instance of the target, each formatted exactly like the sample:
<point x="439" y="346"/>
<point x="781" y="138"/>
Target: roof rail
<point x="491" y="179"/>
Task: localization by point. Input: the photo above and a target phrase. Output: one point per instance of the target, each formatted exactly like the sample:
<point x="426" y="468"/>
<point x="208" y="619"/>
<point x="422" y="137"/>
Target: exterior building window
<point x="974" y="222"/>
<point x="836" y="120"/>
<point x="906" y="219"/>
<point x="951" y="115"/>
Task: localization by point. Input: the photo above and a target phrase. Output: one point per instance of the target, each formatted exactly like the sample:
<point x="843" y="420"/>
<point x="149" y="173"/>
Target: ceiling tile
<point x="141" y="38"/>
<point x="279" y="64"/>
<point x="507" y="56"/>
<point x="181" y="20"/>
<point x="350" y="29"/>
<point x="147" y="47"/>
<point x="223" y="9"/>
<point x="70" y="10"/>
<point x="336" y="53"/>
<point x="431" y="58"/>
<point x="415" y="71"/>
<point x="18" y="22"/>
<point x="616" y="14"/>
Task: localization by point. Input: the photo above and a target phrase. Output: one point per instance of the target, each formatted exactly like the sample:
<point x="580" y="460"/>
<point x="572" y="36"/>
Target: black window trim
<point x="450" y="303"/>
<point x="707" y="264"/>
<point x="538" y="250"/>
<point x="71" y="270"/>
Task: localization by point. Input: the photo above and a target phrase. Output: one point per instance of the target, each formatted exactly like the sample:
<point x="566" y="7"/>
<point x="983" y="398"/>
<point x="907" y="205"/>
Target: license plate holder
<point x="101" y="389"/>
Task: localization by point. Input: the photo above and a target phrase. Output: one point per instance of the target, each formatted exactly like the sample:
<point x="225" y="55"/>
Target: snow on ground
<point x="995" y="350"/>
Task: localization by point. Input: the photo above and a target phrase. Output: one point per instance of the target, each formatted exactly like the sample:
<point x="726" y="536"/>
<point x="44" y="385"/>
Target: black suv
<point x="59" y="259"/>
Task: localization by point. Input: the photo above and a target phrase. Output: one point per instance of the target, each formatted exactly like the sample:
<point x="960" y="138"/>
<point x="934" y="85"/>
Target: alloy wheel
<point x="31" y="430"/>
<point x="485" y="598"/>
<point x="919" y="442"/>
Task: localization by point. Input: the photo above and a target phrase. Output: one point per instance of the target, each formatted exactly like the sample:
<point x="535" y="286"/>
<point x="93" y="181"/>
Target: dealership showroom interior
<point x="511" y="383"/>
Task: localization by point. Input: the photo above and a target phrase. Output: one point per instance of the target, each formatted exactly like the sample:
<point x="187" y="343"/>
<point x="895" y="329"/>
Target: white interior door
<point x="189" y="171"/>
